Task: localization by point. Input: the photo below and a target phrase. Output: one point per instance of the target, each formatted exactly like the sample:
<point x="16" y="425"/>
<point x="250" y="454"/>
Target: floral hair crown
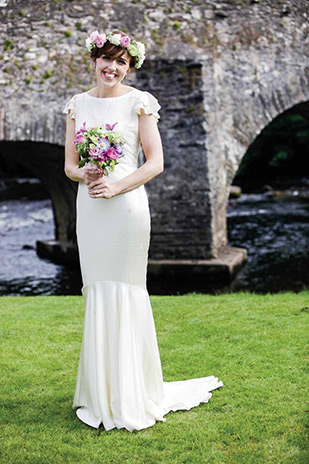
<point x="136" y="49"/>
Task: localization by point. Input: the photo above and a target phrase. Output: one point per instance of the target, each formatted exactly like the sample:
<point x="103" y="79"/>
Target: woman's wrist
<point x="115" y="188"/>
<point x="75" y="174"/>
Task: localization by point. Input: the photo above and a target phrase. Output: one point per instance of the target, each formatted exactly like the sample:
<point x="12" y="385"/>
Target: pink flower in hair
<point x="94" y="35"/>
<point x="98" y="39"/>
<point x="125" y="41"/>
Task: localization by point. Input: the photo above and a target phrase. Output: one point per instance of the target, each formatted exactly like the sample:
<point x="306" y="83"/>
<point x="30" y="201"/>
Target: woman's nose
<point x="112" y="64"/>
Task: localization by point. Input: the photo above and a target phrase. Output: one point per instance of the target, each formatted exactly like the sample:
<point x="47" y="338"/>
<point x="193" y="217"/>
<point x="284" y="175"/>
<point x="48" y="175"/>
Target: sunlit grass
<point x="255" y="344"/>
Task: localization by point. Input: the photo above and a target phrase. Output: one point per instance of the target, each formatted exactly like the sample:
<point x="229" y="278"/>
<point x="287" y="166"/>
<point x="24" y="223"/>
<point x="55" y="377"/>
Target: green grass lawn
<point x="255" y="344"/>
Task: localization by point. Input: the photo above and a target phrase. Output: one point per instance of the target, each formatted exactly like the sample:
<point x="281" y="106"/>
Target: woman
<point x="119" y="380"/>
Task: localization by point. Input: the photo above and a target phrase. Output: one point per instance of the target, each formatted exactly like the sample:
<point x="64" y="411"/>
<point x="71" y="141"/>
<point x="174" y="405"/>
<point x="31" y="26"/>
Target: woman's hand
<point x="90" y="176"/>
<point x="101" y="188"/>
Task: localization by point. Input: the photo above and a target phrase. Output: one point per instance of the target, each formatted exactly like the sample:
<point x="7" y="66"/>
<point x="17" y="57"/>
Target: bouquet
<point x="99" y="148"/>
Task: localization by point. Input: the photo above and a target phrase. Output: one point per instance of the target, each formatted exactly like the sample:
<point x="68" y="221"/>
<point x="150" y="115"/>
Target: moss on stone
<point x="8" y="44"/>
<point x="17" y="64"/>
<point x="177" y="26"/>
<point x="48" y="74"/>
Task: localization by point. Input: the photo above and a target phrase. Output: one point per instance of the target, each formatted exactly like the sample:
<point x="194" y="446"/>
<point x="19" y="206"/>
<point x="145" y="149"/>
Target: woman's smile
<point x="109" y="75"/>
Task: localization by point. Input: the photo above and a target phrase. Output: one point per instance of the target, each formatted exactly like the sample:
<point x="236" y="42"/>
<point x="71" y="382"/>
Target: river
<point x="274" y="230"/>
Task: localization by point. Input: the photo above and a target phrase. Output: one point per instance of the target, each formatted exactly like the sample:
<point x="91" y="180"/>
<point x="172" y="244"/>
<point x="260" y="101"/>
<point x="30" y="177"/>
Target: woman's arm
<point x="152" y="146"/>
<point x="154" y="165"/>
<point x="71" y="168"/>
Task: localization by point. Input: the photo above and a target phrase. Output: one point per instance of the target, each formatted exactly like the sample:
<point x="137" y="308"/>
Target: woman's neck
<point x="104" y="92"/>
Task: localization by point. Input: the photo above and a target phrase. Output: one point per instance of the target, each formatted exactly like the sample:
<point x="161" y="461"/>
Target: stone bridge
<point x="222" y="71"/>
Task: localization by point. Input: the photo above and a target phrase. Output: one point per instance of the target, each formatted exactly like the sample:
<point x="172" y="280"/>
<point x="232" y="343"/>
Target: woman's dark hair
<point x="112" y="51"/>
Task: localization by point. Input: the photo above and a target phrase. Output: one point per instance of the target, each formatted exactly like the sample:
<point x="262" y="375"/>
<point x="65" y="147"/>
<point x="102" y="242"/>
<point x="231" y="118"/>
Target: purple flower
<point x="104" y="144"/>
<point x="119" y="148"/>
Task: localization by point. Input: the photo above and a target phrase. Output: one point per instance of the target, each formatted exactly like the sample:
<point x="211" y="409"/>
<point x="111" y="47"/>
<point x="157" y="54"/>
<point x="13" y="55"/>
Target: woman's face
<point x="111" y="71"/>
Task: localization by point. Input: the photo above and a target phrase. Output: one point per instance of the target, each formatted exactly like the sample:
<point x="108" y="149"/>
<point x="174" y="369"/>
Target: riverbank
<point x="253" y="343"/>
<point x="273" y="227"/>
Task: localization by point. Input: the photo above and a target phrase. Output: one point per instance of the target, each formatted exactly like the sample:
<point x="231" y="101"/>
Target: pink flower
<point x="79" y="139"/>
<point x="98" y="39"/>
<point x="82" y="129"/>
<point x="125" y="41"/>
<point x="95" y="154"/>
<point x="110" y="127"/>
<point x="100" y="42"/>
<point x="94" y="35"/>
<point x="112" y="154"/>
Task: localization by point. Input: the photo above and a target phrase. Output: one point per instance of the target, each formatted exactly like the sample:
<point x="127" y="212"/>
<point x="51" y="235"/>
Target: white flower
<point x="132" y="49"/>
<point x="141" y="48"/>
<point x="89" y="44"/>
<point x="115" y="39"/>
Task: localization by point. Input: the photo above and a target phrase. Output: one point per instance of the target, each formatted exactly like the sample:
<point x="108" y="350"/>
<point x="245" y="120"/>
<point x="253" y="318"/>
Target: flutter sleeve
<point x="149" y="104"/>
<point x="71" y="105"/>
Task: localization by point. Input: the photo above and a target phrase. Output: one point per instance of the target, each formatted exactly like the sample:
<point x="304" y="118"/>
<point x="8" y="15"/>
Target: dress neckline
<point x="111" y="98"/>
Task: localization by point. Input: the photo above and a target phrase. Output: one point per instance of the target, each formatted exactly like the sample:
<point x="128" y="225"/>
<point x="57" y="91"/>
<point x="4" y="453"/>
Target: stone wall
<point x="221" y="70"/>
<point x="179" y="197"/>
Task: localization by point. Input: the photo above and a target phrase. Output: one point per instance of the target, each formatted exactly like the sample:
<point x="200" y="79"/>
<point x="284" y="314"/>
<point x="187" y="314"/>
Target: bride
<point x="119" y="379"/>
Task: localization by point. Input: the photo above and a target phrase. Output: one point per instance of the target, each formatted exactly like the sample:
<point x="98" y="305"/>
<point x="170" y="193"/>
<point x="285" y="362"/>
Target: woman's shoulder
<point x="141" y="93"/>
<point x="70" y="106"/>
<point x="146" y="103"/>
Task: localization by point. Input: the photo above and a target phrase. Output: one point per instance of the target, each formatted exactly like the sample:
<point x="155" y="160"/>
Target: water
<point x="274" y="231"/>
<point x="22" y="272"/>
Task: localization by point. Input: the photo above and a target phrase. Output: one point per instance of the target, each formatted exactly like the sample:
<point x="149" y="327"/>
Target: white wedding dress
<point x="119" y="380"/>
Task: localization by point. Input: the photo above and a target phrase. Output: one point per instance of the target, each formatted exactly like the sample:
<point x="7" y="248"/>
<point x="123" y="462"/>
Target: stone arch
<point x="276" y="109"/>
<point x="281" y="128"/>
<point x="242" y="106"/>
<point x="46" y="162"/>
